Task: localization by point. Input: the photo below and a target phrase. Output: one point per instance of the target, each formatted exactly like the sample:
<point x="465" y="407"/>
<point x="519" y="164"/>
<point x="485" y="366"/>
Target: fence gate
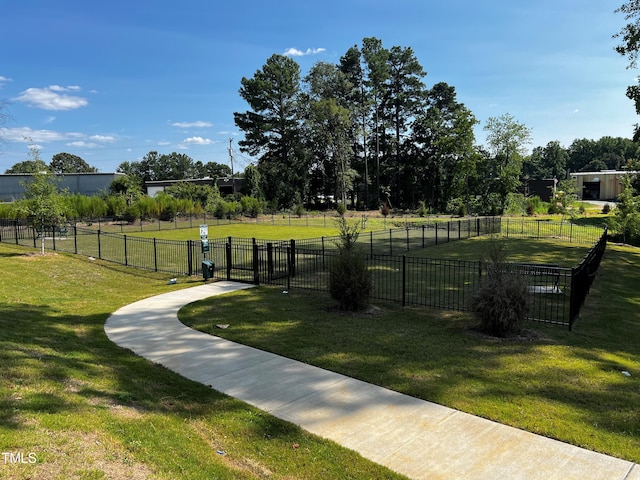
<point x="276" y="256"/>
<point x="248" y="260"/>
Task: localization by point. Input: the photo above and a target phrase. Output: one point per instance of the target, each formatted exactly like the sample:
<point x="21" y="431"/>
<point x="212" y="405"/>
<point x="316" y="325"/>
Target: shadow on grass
<point x="573" y="378"/>
<point x="52" y="364"/>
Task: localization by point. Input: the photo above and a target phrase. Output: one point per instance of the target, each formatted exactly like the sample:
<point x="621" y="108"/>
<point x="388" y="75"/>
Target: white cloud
<point x="41" y="136"/>
<point x="196" y="124"/>
<point x="103" y="138"/>
<point x="4" y="80"/>
<point x="50" y="119"/>
<point x="163" y="143"/>
<point x="52" y="98"/>
<point x="197" y="141"/>
<point x="294" y="52"/>
<point x="82" y="144"/>
<point x="75" y="139"/>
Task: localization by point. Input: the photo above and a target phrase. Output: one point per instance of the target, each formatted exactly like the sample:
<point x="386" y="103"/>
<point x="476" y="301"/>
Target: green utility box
<point x="207" y="269"/>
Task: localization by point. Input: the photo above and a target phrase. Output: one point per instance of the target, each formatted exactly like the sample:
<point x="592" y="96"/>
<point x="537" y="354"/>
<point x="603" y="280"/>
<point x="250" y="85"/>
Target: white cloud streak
<point x="197" y="141"/>
<point x="74" y="139"/>
<point x="53" y="98"/>
<point x="196" y="124"/>
<point x="294" y="52"/>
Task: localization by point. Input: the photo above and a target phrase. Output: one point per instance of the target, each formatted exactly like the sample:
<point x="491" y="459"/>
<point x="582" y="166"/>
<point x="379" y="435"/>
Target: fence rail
<point x="557" y="294"/>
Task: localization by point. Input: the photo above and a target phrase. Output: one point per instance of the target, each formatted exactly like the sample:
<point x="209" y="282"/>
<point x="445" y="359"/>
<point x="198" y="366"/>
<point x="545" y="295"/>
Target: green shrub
<point x="554" y="208"/>
<point x="501" y="302"/>
<point x="251" y="206"/>
<point x="131" y="213"/>
<point x="535" y="205"/>
<point x="457" y="206"/>
<point x="298" y="209"/>
<point x="422" y="209"/>
<point x="350" y="280"/>
<point x="168" y="212"/>
<point x="341" y="208"/>
<point x="515" y="204"/>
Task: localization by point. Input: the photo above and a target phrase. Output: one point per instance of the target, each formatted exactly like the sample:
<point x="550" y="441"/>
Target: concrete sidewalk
<point x="419" y="439"/>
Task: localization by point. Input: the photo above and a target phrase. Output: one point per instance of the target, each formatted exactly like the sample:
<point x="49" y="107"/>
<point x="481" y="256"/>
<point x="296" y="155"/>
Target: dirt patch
<point x="36" y="255"/>
<point x="77" y="455"/>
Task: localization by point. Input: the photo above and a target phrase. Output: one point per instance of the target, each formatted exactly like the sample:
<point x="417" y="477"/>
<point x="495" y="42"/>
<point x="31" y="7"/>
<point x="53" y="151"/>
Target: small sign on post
<point x="204" y="238"/>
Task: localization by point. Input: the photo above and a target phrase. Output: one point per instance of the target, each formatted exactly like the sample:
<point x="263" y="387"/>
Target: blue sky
<point x="111" y="81"/>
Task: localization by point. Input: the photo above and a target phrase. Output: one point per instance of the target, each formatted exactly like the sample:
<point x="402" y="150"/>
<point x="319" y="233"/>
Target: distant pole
<point x="233" y="186"/>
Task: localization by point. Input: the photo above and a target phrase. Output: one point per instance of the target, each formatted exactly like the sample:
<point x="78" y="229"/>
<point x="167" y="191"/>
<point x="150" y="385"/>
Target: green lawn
<point x="244" y="230"/>
<point x="564" y="385"/>
<point x="88" y="409"/>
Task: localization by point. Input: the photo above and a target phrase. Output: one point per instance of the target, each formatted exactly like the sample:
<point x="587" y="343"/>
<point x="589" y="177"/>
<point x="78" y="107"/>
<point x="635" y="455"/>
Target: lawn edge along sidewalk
<point x="414" y="437"/>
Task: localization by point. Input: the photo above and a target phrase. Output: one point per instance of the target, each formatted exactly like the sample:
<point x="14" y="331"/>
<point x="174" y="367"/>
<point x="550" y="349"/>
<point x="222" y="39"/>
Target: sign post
<point x="204" y="239"/>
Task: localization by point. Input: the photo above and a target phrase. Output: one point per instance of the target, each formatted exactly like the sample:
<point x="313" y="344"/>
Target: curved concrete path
<point x="419" y="439"/>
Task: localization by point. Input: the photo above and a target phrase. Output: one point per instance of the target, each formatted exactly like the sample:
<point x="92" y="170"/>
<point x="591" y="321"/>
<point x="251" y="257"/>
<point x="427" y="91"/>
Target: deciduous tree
<point x="506" y="140"/>
<point x="69" y="163"/>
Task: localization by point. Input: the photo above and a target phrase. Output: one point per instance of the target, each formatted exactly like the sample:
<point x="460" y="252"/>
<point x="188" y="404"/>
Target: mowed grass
<point x="88" y="409"/>
<point x="244" y="230"/>
<point x="518" y="250"/>
<point x="561" y="384"/>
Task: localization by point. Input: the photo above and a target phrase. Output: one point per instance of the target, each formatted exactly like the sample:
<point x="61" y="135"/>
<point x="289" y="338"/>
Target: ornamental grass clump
<point x="350" y="279"/>
<point x="501" y="302"/>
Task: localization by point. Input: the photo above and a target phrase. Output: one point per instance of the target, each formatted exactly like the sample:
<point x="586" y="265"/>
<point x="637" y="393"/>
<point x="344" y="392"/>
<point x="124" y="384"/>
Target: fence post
<point x="390" y="241"/>
<point x="270" y="261"/>
<point x="407" y="229"/>
<point x="323" y="253"/>
<point x="572" y="298"/>
<point x="424" y="227"/>
<point x="288" y="268"/>
<point x="293" y="257"/>
<point x="15" y="229"/>
<point x="228" y="255"/>
<point x="507" y="228"/>
<point x="448" y="231"/>
<point x="435" y="224"/>
<point x="477" y="227"/>
<point x="570" y="232"/>
<point x="53" y="236"/>
<point x="256" y="263"/>
<point x="99" y="246"/>
<point x="404" y="280"/>
<point x="75" y="239"/>
<point x="155" y="257"/>
<point x="371" y="242"/>
<point x="126" y="261"/>
<point x="459" y="229"/>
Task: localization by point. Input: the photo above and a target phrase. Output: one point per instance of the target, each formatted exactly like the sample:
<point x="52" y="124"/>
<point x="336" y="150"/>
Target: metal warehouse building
<point x="603" y="185"/>
<point x="11" y="184"/>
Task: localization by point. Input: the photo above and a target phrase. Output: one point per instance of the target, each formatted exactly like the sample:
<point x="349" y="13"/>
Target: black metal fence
<point x="557" y="294"/>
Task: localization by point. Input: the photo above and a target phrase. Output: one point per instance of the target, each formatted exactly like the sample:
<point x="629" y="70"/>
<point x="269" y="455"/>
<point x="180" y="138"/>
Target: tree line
<point x="368" y="131"/>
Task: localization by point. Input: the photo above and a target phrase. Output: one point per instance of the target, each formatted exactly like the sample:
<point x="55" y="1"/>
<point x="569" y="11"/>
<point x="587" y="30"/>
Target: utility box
<point x="207" y="269"/>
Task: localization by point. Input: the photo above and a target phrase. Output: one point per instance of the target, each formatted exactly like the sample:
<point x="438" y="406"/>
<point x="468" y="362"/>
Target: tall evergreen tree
<point x="377" y="74"/>
<point x="272" y="129"/>
<point x="441" y="149"/>
<point x="404" y="99"/>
